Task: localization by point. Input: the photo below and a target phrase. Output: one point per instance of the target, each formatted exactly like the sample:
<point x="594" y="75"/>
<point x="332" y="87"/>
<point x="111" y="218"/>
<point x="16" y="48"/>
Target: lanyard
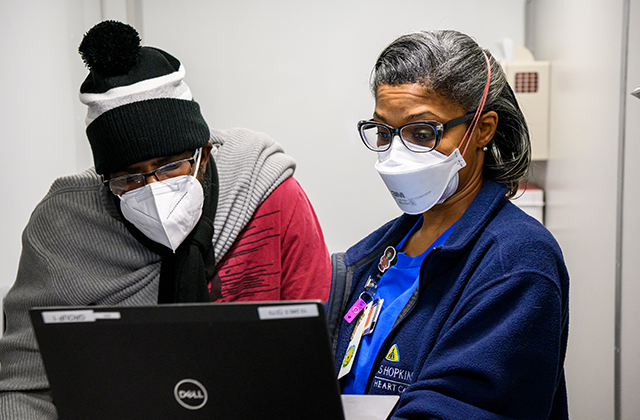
<point x="369" y="307"/>
<point x="386" y="261"/>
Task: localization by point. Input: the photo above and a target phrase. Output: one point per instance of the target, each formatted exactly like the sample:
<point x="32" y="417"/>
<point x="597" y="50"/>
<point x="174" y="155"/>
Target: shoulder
<point x="242" y="155"/>
<point x="83" y="190"/>
<point x="88" y="180"/>
<point x="72" y="202"/>
<point x="515" y="231"/>
<point x="280" y="203"/>
<point x="289" y="192"/>
<point x="289" y="201"/>
<point x="494" y="226"/>
<point x="514" y="246"/>
<point x="240" y="137"/>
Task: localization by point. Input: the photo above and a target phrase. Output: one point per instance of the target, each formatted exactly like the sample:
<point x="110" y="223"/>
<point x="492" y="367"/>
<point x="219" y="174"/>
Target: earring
<point x="484" y="149"/>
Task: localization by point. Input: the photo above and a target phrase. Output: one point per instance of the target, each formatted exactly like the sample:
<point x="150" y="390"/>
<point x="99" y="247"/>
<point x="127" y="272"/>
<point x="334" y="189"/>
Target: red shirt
<point x="280" y="254"/>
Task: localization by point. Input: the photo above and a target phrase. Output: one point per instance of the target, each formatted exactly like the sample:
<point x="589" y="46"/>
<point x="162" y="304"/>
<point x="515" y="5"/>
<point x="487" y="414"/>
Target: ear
<point x="486" y="128"/>
<point x="206" y="153"/>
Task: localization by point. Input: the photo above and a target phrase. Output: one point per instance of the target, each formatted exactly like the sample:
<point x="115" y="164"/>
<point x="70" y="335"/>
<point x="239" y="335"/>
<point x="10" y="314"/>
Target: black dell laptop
<point x="269" y="360"/>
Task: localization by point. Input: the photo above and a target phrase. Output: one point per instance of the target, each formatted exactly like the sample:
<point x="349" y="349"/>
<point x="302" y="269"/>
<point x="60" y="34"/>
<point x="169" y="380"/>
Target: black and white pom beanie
<point x="139" y="107"/>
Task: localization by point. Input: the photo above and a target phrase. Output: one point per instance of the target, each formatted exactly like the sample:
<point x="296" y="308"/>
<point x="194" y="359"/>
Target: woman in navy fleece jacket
<point x="460" y="305"/>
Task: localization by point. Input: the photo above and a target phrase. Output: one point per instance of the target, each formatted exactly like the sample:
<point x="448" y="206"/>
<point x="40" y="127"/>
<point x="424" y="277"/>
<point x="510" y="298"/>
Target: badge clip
<point x="357" y="307"/>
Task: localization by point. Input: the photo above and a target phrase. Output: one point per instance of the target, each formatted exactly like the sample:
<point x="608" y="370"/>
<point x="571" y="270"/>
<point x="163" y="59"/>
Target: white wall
<point x="40" y="119"/>
<point x="583" y="40"/>
<point x="299" y="71"/>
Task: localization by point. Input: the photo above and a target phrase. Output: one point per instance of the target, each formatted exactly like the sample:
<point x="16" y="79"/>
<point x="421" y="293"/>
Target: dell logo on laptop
<point x="190" y="394"/>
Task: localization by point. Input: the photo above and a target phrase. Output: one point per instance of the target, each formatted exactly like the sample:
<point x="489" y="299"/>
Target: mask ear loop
<point x="476" y="117"/>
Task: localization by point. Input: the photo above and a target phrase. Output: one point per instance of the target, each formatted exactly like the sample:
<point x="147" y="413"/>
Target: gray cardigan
<point x="76" y="252"/>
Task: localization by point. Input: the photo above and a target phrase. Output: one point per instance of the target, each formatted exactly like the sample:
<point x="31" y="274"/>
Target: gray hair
<point x="452" y="65"/>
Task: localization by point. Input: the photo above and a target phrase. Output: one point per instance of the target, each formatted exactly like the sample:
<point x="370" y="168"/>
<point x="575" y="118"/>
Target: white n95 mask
<point x="165" y="211"/>
<point x="419" y="181"/>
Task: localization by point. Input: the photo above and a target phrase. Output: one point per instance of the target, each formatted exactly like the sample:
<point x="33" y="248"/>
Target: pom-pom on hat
<point x="139" y="107"/>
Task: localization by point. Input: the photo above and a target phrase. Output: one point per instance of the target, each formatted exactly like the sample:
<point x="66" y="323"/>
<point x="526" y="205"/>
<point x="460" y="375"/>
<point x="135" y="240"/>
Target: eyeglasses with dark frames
<point x="125" y="183"/>
<point x="418" y="136"/>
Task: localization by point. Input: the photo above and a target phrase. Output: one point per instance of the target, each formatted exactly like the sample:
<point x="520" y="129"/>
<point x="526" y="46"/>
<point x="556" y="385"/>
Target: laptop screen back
<point x="225" y="361"/>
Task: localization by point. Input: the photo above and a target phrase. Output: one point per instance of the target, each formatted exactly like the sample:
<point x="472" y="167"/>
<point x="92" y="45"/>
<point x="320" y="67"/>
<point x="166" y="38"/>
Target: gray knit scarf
<point x="77" y="252"/>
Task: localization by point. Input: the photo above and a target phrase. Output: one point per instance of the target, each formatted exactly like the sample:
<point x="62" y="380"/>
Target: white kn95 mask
<point x="419" y="181"/>
<point x="165" y="211"/>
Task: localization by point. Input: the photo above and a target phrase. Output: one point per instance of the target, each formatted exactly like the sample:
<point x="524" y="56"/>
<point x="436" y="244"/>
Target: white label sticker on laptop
<point x="288" y="311"/>
<point x="56" y="317"/>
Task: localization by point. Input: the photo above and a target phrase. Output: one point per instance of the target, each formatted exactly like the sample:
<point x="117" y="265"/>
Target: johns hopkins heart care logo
<point x="190" y="394"/>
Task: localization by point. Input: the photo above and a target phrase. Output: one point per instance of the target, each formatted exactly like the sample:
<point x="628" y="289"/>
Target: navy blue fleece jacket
<point x="484" y="336"/>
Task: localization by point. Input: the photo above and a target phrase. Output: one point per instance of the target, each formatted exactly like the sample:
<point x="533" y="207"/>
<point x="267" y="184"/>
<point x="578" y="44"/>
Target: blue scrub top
<point x="396" y="286"/>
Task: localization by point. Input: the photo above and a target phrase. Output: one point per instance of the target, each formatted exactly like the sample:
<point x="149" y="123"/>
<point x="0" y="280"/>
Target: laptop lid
<point x="269" y="360"/>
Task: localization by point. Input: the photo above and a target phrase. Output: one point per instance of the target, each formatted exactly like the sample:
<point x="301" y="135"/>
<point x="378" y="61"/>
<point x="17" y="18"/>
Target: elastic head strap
<point x="467" y="136"/>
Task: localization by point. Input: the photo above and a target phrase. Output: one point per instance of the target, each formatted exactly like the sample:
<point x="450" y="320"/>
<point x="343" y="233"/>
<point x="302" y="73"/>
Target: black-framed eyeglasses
<point x="125" y="183"/>
<point x="419" y="136"/>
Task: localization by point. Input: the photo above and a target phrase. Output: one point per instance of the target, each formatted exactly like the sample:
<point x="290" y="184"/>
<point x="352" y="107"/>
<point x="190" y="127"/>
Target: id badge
<point x="372" y="316"/>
